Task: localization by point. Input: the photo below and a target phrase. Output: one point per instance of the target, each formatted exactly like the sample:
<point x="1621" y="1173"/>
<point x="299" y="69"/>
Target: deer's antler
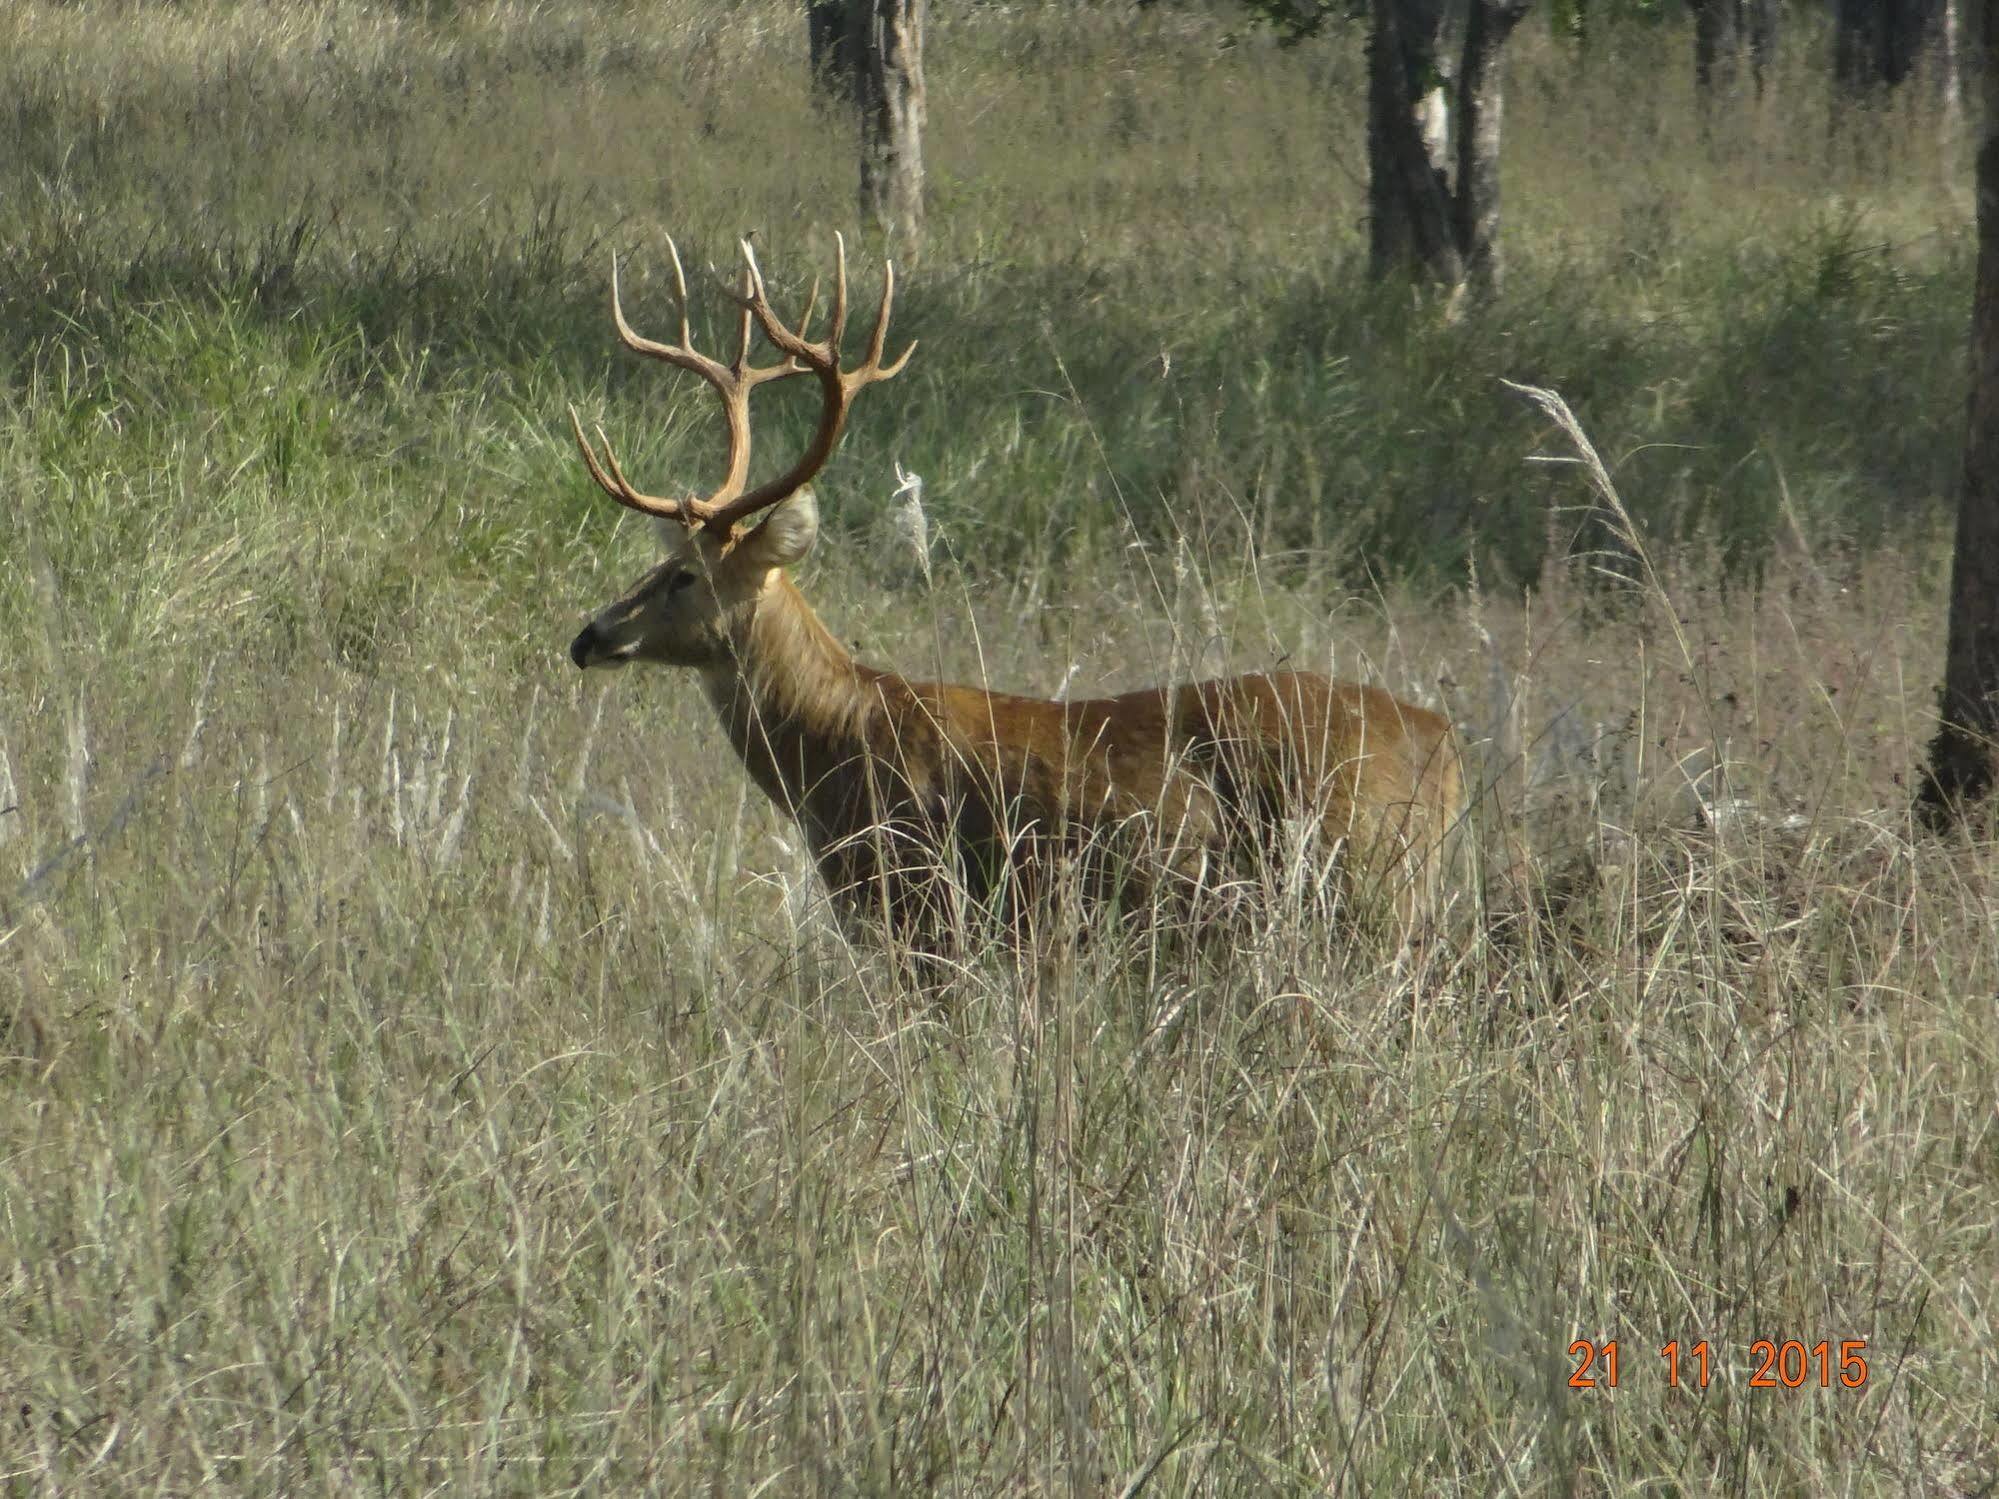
<point x="733" y="382"/>
<point x="724" y="511"/>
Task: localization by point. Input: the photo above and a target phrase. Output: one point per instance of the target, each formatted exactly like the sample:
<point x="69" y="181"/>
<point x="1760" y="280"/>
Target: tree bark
<point x="1410" y="210"/>
<point x="1964" y="756"/>
<point x="1950" y="61"/>
<point x="1433" y="132"/>
<point x="891" y="95"/>
<point x="1480" y="96"/>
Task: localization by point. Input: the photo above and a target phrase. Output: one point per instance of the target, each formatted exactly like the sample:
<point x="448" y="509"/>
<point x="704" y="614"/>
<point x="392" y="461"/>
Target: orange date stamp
<point x="1773" y="1364"/>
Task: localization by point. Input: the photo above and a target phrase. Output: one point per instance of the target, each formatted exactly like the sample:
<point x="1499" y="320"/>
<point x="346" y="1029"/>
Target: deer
<point x="924" y="803"/>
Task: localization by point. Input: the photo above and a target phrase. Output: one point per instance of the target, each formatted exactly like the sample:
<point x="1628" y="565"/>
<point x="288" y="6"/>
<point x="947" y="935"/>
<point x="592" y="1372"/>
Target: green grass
<point x="424" y="1068"/>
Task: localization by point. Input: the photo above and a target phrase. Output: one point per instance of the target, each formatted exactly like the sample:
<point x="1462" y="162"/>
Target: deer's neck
<point x="793" y="702"/>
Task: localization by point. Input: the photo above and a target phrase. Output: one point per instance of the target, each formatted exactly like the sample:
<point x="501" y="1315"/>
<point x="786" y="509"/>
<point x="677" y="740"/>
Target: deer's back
<point x="1205" y="763"/>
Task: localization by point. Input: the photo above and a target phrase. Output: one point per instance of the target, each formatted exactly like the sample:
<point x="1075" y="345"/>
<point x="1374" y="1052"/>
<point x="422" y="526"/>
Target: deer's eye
<point x="679" y="581"/>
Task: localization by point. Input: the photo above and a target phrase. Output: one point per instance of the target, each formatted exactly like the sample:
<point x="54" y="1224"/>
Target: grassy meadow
<point x="424" y="1069"/>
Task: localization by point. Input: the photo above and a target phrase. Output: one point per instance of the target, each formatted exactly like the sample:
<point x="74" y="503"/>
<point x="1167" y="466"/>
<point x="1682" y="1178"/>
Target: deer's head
<point x="694" y="608"/>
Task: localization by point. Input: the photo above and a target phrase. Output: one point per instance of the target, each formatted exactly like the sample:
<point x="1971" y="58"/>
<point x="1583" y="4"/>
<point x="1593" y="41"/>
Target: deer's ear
<point x="786" y="537"/>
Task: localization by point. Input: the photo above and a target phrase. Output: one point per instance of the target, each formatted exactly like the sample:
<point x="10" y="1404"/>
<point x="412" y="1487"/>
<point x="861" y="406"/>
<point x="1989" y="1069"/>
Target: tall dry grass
<point x="426" y="1069"/>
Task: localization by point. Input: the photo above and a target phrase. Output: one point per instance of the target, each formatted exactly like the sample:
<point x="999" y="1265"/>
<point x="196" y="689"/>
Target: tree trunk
<point x="1964" y="757"/>
<point x="1409" y="197"/>
<point x="892" y="111"/>
<point x="1950" y="63"/>
<point x="1877" y="44"/>
<point x="1914" y="38"/>
<point x="1717" y="49"/>
<point x="829" y="29"/>
<point x="1728" y="33"/>
<point x="1479" y="98"/>
<point x="1433" y="135"/>
<point x="1762" y="29"/>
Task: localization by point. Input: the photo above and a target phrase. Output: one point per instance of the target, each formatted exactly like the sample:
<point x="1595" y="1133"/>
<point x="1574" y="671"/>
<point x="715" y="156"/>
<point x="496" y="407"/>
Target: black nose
<point x="581" y="647"/>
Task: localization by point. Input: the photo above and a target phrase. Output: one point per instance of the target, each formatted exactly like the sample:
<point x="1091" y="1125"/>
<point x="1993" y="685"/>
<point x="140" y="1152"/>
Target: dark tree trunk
<point x="1964" y="757"/>
<point x="1410" y="218"/>
<point x="1717" y="48"/>
<point x="1728" y="34"/>
<point x="892" y="111"/>
<point x="830" y="26"/>
<point x="1433" y="134"/>
<point x="1762" y="17"/>
<point x="1877" y="44"/>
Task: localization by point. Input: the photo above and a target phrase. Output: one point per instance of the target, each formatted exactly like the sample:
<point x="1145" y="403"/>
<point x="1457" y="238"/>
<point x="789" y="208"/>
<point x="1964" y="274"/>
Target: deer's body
<point x="917" y="796"/>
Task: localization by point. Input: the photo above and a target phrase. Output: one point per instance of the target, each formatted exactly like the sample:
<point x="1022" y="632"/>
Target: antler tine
<point x="811" y="306"/>
<point x="683" y="355"/>
<point x="689" y="511"/>
<point x="878" y="340"/>
<point x="793" y="342"/>
<point x="838" y="332"/>
<point x="679" y="289"/>
<point x="753" y="276"/>
<point x="755" y="302"/>
<point x="590" y="456"/>
<point x="614" y="483"/>
<point x="745" y="330"/>
<point x="823" y="354"/>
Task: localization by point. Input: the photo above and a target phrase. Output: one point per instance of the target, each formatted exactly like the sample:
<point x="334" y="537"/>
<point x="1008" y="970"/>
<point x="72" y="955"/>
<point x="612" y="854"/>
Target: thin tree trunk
<point x="1950" y="66"/>
<point x="1964" y="757"/>
<point x="892" y="114"/>
<point x="1480" y="94"/>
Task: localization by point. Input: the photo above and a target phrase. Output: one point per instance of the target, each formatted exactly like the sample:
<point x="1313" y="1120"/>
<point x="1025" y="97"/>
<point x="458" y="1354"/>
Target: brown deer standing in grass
<point x="924" y="802"/>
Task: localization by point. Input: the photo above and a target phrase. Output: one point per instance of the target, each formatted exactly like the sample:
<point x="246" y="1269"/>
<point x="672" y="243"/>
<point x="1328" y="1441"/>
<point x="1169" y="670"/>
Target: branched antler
<point x="727" y="507"/>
